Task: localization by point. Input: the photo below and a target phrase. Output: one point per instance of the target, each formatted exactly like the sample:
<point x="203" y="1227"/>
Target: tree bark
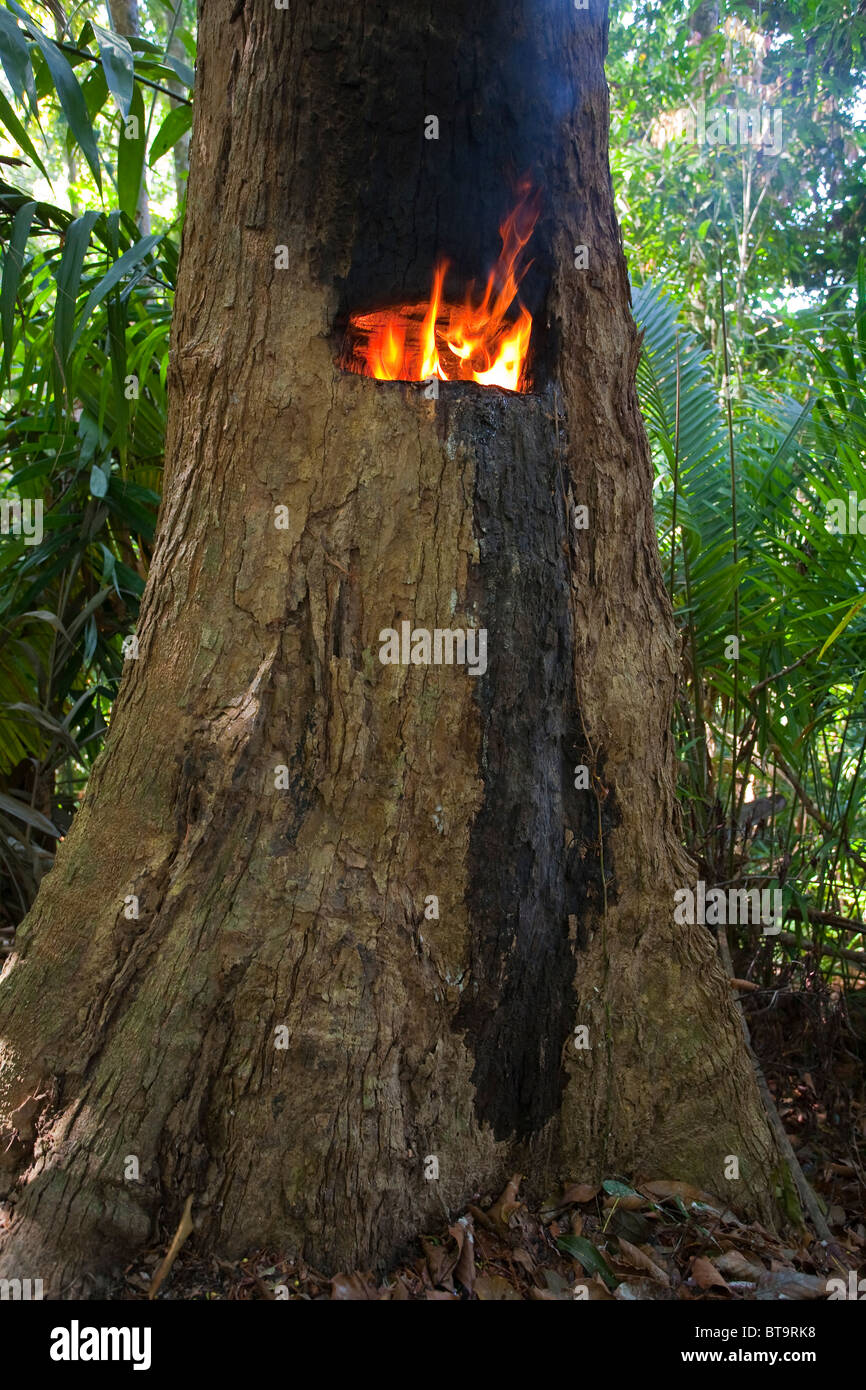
<point x="305" y="908"/>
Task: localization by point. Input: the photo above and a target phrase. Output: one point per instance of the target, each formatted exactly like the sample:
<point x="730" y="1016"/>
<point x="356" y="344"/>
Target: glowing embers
<point x="485" y="341"/>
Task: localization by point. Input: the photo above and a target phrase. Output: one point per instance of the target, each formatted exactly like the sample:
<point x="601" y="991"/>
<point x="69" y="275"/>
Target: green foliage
<point x="797" y="686"/>
<point x="85" y="305"/>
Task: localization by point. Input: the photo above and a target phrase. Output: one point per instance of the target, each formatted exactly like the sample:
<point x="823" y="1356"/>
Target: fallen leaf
<point x="440" y="1260"/>
<point x="738" y="1266"/>
<point x="641" y="1290"/>
<point x="492" y="1288"/>
<point x="705" y="1274"/>
<point x="523" y="1257"/>
<point x="633" y="1255"/>
<point x="507" y="1204"/>
<point x="595" y="1291"/>
<point x="351" y="1288"/>
<point x="578" y="1194"/>
<point x="464" y="1270"/>
<point x="591" y="1259"/>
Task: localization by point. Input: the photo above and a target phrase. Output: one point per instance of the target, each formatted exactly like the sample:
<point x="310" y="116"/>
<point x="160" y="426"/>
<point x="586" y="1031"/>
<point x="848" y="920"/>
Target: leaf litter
<point x="656" y="1241"/>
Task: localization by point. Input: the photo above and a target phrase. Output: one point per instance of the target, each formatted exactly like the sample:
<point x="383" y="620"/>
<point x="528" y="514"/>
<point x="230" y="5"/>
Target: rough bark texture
<point x="259" y="647"/>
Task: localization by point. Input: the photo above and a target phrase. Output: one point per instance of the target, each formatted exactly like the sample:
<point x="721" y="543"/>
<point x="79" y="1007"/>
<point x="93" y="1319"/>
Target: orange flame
<point x="472" y="342"/>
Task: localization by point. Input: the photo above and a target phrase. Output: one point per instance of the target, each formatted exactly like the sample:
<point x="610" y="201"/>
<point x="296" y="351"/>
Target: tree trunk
<point x="283" y="1032"/>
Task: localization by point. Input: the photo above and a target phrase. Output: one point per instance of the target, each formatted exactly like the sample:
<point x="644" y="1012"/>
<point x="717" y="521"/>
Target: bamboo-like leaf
<point x="68" y="281"/>
<point x="68" y="91"/>
<point x="19" y="134"/>
<point x="840" y="627"/>
<point x="122" y="266"/>
<point x="15" y="57"/>
<point x="176" y="124"/>
<point x="131" y="144"/>
<point x="28" y="815"/>
<point x="13" y="262"/>
<point x="118" y="65"/>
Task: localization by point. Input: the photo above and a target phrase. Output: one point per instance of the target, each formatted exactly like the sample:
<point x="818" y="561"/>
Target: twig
<point x="858" y="957"/>
<point x="184" y="1229"/>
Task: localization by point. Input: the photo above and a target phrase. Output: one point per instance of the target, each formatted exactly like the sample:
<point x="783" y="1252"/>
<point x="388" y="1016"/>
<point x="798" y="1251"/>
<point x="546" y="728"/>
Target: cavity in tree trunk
<point x="291" y="1028"/>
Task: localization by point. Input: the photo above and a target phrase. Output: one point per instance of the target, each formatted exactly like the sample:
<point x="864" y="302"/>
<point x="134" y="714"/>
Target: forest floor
<point x="660" y="1240"/>
<point x="654" y="1240"/>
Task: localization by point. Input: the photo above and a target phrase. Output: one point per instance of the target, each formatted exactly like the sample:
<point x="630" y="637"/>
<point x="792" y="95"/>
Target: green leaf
<point x="15" y="57"/>
<point x="130" y="156"/>
<point x="13" y="262"/>
<point x="68" y="91"/>
<point x="182" y="69"/>
<point x="115" y="273"/>
<point x="592" y="1260"/>
<point x="68" y="280"/>
<point x="176" y="124"/>
<point x="98" y="481"/>
<point x="90" y="638"/>
<point x="118" y="65"/>
<point x="19" y="134"/>
<point x="840" y="627"/>
<point x="618" y="1189"/>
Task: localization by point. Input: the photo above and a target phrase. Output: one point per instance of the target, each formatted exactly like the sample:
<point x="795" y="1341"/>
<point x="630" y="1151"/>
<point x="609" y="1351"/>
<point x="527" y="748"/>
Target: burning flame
<point x="469" y="342"/>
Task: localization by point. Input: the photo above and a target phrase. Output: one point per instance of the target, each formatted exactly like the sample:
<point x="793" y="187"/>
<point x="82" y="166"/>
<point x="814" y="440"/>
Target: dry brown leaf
<point x="632" y="1201"/>
<point x="523" y="1257"/>
<point x="705" y="1274"/>
<point x="507" y="1204"/>
<point x="440" y="1260"/>
<point x="596" y="1291"/>
<point x="352" y="1288"/>
<point x="633" y="1255"/>
<point x="641" y="1291"/>
<point x="735" y="1265"/>
<point x="578" y="1193"/>
<point x="492" y="1288"/>
<point x="464" y="1270"/>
